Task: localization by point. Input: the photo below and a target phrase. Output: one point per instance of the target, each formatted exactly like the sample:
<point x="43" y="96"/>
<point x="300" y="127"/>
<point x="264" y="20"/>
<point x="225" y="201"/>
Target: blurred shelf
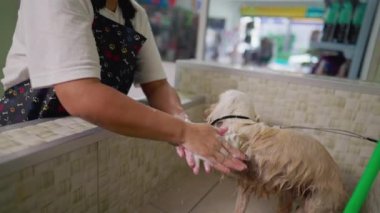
<point x="347" y="49"/>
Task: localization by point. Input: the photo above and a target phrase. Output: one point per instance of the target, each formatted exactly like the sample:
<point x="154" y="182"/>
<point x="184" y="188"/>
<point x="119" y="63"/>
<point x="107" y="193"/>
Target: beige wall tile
<point x="51" y="186"/>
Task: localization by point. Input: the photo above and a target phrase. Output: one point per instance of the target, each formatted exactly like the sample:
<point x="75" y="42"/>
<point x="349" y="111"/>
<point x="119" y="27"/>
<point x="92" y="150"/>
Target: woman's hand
<point x="193" y="161"/>
<point x="200" y="139"/>
<point x="207" y="142"/>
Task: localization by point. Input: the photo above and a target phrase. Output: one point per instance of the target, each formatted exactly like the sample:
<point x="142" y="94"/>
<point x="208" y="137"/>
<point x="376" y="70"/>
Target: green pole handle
<point x="365" y="183"/>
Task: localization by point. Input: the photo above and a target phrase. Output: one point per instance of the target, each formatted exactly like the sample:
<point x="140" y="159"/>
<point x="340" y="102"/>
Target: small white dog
<point x="281" y="162"/>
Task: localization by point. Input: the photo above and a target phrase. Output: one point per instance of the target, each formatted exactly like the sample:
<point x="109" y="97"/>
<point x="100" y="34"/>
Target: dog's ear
<point x="208" y="111"/>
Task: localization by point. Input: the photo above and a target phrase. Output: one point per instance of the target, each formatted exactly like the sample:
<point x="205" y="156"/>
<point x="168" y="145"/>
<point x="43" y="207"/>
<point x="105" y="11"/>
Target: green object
<point x="346" y="13"/>
<point x="359" y="14"/>
<point x="368" y="177"/>
<point x="315" y="12"/>
<point x="332" y="13"/>
<point x="283" y="48"/>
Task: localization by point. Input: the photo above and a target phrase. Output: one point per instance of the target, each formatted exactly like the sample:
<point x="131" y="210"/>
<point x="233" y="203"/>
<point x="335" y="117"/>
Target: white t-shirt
<point x="54" y="43"/>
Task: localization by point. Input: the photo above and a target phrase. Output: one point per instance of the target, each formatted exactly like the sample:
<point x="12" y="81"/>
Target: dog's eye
<point x="219" y="124"/>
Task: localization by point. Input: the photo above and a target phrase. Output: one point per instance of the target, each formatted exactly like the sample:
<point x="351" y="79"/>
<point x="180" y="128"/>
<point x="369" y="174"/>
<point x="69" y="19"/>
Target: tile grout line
<point x="204" y="196"/>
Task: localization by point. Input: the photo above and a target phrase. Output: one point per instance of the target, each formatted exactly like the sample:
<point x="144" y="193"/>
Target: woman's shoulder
<point x="140" y="11"/>
<point x="140" y="21"/>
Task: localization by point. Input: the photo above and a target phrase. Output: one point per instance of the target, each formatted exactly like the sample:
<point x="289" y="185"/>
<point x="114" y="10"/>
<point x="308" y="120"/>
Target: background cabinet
<point x="356" y="52"/>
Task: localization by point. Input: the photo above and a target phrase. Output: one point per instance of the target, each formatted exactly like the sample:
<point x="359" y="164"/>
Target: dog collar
<point x="229" y="117"/>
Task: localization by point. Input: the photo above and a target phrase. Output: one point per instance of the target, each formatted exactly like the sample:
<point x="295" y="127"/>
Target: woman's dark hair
<point x="126" y="7"/>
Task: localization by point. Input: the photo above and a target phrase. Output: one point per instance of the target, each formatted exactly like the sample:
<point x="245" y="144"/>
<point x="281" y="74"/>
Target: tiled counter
<point x="294" y="99"/>
<point x="69" y="165"/>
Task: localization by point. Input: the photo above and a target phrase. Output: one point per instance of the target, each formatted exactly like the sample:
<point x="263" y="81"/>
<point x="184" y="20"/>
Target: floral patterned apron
<point x="118" y="46"/>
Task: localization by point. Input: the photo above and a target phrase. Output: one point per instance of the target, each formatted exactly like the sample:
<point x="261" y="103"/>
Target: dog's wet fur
<point x="284" y="163"/>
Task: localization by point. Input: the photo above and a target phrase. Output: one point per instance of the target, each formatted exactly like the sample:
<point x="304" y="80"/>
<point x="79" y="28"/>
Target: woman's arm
<point x="107" y="107"/>
<point x="161" y="95"/>
<point x="102" y="105"/>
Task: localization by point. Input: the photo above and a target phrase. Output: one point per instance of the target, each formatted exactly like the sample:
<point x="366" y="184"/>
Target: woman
<point x="80" y="57"/>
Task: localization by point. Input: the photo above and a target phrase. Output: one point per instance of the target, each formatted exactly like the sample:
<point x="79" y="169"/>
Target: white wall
<point x="227" y="9"/>
<point x="8" y="17"/>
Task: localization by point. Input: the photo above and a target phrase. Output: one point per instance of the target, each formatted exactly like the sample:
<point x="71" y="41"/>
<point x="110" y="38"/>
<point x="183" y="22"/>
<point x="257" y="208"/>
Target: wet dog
<point x="281" y="162"/>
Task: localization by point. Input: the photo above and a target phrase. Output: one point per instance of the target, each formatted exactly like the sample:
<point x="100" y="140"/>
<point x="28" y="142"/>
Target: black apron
<point x="118" y="46"/>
